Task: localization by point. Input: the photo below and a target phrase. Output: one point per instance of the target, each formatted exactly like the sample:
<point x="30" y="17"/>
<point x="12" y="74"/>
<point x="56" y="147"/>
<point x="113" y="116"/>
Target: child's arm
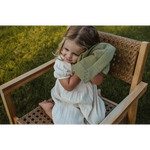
<point x="70" y="83"/>
<point x="98" y="79"/>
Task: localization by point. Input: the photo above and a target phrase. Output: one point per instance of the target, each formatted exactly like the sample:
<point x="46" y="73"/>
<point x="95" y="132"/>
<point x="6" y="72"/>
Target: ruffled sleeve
<point x="62" y="69"/>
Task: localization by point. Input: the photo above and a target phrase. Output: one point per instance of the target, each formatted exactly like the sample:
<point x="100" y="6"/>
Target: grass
<point x="23" y="48"/>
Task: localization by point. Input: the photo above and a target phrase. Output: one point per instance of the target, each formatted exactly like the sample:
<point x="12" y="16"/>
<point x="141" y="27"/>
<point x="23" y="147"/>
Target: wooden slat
<point x="120" y="111"/>
<point x="109" y="101"/>
<point x="25" y="78"/>
<point x="140" y="66"/>
<point x="9" y="107"/>
<point x="137" y="78"/>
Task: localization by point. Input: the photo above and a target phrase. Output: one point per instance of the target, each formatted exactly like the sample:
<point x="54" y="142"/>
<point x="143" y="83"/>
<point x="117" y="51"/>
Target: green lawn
<point x="23" y="48"/>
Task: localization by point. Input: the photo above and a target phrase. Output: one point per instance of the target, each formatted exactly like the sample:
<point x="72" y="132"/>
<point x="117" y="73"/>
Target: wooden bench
<point x="128" y="65"/>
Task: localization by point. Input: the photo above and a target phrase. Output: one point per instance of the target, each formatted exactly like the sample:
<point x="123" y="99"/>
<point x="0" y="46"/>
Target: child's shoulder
<point x="62" y="69"/>
<point x="60" y="63"/>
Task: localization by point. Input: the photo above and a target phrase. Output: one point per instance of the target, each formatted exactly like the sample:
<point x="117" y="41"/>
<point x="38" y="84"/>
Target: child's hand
<point x="98" y="79"/>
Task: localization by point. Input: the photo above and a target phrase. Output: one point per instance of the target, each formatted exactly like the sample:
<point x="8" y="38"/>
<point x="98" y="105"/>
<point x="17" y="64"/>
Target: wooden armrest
<point x="122" y="108"/>
<point x="27" y="77"/>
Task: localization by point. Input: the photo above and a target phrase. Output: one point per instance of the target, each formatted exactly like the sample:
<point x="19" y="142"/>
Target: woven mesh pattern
<point x="124" y="61"/>
<point x="36" y="116"/>
<point x="109" y="107"/>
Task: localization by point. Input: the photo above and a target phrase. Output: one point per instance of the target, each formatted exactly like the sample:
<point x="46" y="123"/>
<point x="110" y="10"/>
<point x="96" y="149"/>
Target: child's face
<point x="71" y="51"/>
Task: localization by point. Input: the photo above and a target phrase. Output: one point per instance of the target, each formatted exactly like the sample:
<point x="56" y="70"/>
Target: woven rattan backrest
<point x="124" y="61"/>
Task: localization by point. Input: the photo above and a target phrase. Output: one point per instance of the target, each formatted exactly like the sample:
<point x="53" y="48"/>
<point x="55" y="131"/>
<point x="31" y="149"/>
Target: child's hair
<point x="84" y="36"/>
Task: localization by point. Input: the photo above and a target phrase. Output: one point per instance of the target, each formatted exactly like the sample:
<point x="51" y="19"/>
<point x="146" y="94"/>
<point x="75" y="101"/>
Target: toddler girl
<point x="75" y="102"/>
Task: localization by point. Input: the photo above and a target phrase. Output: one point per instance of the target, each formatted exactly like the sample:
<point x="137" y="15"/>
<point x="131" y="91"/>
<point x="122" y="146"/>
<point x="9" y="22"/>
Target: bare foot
<point x="47" y="107"/>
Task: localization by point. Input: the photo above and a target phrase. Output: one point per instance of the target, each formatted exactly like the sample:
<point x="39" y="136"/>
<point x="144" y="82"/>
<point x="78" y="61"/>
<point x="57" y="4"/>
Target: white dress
<point x="72" y="107"/>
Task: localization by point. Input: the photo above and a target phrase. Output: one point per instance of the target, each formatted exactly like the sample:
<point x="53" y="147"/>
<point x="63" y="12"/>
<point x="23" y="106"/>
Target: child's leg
<point x="47" y="107"/>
